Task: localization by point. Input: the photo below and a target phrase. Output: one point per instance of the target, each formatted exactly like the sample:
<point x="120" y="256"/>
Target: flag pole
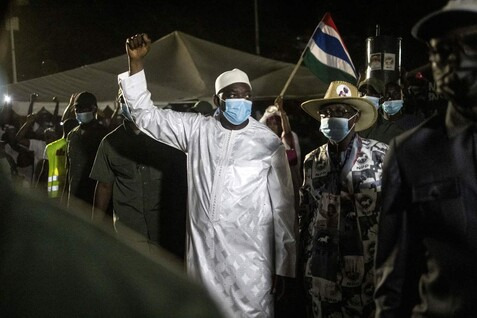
<point x="292" y="74"/>
<point x="300" y="60"/>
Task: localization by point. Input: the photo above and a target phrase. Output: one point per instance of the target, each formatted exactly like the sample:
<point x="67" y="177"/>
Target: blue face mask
<point x="125" y="112"/>
<point x="335" y="128"/>
<point x="84" y="118"/>
<point x="373" y="99"/>
<point x="392" y="107"/>
<point x="237" y="110"/>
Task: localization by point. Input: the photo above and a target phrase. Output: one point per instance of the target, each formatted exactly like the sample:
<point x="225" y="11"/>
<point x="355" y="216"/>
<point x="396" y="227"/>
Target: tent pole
<point x="257" y="36"/>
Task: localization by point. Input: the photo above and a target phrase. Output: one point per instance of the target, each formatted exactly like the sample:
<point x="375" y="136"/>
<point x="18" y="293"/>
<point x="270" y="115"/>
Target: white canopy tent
<point x="179" y="68"/>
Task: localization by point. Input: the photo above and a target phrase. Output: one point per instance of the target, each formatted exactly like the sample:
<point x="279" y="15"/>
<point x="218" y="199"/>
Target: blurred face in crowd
<point x="370" y="93"/>
<point x="82" y="108"/>
<point x="368" y="90"/>
<point x="393" y="92"/>
<point x="454" y="65"/>
<point x="275" y="124"/>
<point x="85" y="113"/>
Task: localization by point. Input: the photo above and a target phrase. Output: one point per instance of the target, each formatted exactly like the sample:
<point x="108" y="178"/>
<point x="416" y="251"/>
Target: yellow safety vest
<point x="56" y="154"/>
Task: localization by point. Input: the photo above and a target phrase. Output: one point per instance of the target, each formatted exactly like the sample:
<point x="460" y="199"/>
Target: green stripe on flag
<point x="326" y="73"/>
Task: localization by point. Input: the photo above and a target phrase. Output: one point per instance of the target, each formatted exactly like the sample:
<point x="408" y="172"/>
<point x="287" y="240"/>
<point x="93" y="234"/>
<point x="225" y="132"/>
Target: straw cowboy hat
<point x="340" y="92"/>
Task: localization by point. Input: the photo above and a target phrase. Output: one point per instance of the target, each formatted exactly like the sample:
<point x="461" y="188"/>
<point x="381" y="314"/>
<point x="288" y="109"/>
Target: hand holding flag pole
<point x="326" y="56"/>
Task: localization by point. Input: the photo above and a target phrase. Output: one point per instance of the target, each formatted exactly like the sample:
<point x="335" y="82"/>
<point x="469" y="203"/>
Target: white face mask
<point x="84" y="118"/>
<point x="336" y="128"/>
<point x="392" y="107"/>
<point x="373" y="99"/>
<point x="237" y="110"/>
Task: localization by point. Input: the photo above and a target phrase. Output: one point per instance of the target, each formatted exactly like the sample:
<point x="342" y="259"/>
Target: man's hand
<point x="30" y="119"/>
<point x="279" y="103"/>
<point x="72" y="99"/>
<point x="137" y="47"/>
<point x="285" y="122"/>
<point x="69" y="111"/>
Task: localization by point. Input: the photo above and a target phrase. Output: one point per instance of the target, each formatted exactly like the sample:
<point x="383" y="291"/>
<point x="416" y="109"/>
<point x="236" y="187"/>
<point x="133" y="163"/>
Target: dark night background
<point x="60" y="35"/>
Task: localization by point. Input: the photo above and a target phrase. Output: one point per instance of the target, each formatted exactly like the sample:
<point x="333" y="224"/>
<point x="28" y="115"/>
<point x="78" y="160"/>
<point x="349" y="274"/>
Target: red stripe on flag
<point x="329" y="21"/>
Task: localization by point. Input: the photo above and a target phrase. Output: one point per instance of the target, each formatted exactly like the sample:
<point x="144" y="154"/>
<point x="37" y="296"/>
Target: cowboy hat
<point x="340" y="92"/>
<point x="456" y="14"/>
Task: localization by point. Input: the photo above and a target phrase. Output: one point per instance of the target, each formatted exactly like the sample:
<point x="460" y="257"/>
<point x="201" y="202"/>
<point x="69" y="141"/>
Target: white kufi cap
<point x="231" y="77"/>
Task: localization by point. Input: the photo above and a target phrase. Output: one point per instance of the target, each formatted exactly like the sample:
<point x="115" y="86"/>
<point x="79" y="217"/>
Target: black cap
<point x="375" y="83"/>
<point x="85" y="99"/>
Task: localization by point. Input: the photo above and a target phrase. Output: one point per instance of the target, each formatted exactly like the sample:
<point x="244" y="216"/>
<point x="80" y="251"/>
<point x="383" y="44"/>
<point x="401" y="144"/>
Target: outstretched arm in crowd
<point x="137" y="48"/>
<point x="162" y="125"/>
<point x="287" y="134"/>
<point x="69" y="111"/>
<point x="20" y="137"/>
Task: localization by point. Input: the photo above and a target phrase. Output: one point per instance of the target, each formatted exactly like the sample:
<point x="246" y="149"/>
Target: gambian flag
<point x="326" y="55"/>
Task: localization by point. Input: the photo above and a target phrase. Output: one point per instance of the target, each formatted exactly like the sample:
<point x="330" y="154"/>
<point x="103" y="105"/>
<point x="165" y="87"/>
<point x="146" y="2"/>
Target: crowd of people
<point x="379" y="220"/>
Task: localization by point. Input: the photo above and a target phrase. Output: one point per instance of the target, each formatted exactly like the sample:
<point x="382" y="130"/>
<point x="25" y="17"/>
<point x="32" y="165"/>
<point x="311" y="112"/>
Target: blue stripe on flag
<point x="331" y="45"/>
<point x="331" y="60"/>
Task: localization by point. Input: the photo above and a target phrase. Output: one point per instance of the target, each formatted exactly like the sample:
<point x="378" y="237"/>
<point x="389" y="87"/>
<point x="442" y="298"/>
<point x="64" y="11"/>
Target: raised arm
<point x="137" y="47"/>
<point x="170" y="127"/>
<point x="20" y="137"/>
<point x="287" y="133"/>
<point x="69" y="111"/>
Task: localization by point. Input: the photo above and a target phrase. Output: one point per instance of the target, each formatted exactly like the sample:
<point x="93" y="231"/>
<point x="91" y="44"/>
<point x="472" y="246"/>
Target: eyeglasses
<point x="336" y="111"/>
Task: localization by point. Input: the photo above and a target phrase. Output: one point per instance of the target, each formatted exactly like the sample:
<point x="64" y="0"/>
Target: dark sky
<point x="57" y="35"/>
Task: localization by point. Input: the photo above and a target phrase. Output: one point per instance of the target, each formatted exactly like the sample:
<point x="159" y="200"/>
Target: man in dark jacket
<point x="426" y="257"/>
<point x="83" y="142"/>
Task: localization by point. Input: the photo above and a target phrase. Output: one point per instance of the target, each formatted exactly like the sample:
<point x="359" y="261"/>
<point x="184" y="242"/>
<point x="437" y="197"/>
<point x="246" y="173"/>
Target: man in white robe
<point x="242" y="223"/>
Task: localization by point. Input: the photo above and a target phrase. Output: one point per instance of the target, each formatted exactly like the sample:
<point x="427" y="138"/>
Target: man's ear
<point x="216" y="100"/>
